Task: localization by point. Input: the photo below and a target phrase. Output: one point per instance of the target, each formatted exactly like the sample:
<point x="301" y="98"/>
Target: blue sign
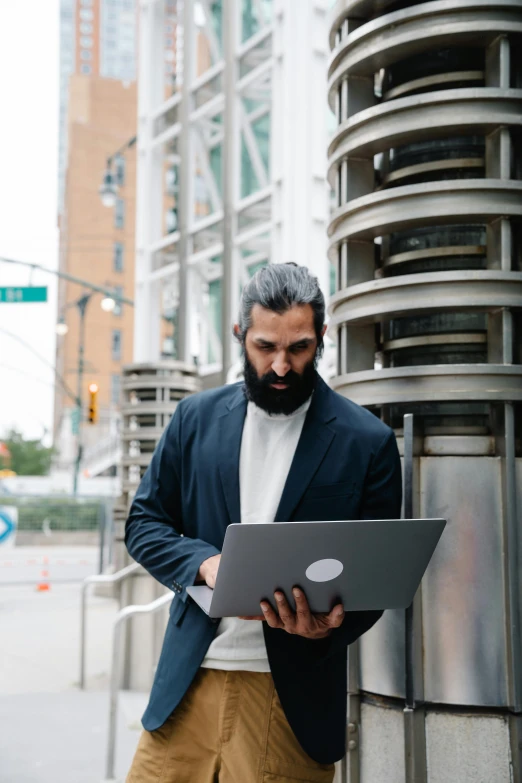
<point x="7" y="526"/>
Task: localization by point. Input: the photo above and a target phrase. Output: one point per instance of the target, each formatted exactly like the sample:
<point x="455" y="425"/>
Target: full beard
<point x="285" y="401"/>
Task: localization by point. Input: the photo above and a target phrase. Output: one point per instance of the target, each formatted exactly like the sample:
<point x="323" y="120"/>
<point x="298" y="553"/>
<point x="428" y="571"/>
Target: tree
<point x="28" y="457"/>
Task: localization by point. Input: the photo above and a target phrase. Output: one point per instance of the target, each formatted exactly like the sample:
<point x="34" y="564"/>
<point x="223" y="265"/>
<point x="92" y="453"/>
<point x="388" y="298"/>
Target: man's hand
<point x="301" y="622"/>
<point x="208" y="571"/>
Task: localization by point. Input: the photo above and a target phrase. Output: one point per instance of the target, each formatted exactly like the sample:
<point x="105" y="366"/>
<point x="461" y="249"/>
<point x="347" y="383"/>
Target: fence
<point x="48" y="515"/>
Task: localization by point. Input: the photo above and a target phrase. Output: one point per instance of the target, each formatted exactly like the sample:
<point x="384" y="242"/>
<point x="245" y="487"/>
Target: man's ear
<point x="324" y="330"/>
<point x="237" y="331"/>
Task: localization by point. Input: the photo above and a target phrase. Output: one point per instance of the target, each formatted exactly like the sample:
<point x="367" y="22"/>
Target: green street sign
<point x="14" y="295"/>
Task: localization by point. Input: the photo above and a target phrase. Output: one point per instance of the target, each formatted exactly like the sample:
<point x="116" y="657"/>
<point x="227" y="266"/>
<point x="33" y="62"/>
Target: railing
<point x="116" y="578"/>
<point x="123" y="616"/>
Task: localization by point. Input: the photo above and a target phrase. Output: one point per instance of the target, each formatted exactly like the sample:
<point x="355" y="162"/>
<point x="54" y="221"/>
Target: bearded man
<point x="263" y="699"/>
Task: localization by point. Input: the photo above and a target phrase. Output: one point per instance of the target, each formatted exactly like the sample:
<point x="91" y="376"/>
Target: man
<point x="253" y="700"/>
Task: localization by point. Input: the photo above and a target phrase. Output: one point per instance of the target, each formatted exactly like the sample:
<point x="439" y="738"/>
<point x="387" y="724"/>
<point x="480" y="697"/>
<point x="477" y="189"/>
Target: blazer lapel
<point x="230" y="432"/>
<point x="314" y="442"/>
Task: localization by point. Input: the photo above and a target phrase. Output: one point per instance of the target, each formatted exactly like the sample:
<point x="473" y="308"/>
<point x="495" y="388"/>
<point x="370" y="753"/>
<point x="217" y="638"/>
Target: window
<point x="86" y="28"/>
<point x="86" y="42"/>
<point x="86" y="69"/>
<point x="117" y="257"/>
<point x="85" y="55"/>
<point x="116" y="345"/>
<point x="119" y="169"/>
<point x="118" y="290"/>
<point x="169" y="42"/>
<point x="86" y="2"/>
<point x="119" y="213"/>
<point x="84" y="14"/>
<point x="115" y="388"/>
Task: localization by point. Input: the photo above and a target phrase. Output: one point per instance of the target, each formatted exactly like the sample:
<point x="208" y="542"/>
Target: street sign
<point x="8" y="524"/>
<point x="15" y="294"/>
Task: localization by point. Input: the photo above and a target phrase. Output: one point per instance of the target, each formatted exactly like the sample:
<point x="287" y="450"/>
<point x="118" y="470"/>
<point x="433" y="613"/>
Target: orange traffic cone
<point x="44" y="583"/>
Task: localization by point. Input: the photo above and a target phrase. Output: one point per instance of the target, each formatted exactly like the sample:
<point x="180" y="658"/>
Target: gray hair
<point x="279" y="287"/>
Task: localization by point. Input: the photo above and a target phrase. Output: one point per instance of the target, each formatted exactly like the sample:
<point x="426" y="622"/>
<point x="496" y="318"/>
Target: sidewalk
<point x="62" y="737"/>
<point x="50" y="731"/>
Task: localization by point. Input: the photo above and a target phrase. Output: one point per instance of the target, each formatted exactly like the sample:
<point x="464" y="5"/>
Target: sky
<point x="29" y="81"/>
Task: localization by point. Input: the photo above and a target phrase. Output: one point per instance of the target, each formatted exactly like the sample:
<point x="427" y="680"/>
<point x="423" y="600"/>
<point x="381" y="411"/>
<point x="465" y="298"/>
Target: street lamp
<point x="108" y="304"/>
<point x="108" y="190"/>
<point x="61" y="327"/>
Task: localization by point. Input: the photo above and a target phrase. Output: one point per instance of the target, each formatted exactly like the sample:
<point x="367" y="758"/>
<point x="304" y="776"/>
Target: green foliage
<point x="28" y="457"/>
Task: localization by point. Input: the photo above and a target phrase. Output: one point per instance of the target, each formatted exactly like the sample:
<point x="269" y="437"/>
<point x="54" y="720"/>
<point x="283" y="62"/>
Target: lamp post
<point x="107" y="304"/>
<point x="109" y="189"/>
<point x="82" y="303"/>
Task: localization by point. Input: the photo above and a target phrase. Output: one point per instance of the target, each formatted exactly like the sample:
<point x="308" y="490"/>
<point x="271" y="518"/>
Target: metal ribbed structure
<point x="426" y="239"/>
<point x="150" y="394"/>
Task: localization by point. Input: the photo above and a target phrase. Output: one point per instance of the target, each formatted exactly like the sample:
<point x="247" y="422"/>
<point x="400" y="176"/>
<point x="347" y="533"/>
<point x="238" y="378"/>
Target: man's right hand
<point x="208" y="571"/>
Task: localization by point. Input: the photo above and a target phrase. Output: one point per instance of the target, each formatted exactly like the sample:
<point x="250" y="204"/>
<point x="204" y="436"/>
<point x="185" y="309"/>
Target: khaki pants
<point x="229" y="728"/>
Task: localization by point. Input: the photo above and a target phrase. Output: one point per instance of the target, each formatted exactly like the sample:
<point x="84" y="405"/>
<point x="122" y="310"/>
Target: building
<point x="97" y="118"/>
<point x="240" y="148"/>
<point x="426" y="164"/>
<point x="96" y="244"/>
<point x="97" y="38"/>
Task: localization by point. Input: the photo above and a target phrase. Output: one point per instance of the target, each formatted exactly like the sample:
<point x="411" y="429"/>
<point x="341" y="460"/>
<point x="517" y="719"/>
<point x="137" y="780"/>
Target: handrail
<point x="123" y="616"/>
<point x="119" y="576"/>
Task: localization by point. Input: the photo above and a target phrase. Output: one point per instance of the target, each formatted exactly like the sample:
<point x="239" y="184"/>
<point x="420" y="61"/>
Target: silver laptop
<point x="364" y="564"/>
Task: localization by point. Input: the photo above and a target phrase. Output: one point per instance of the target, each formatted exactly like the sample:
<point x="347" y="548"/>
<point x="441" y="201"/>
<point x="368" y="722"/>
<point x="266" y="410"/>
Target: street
<point x="51" y="731"/>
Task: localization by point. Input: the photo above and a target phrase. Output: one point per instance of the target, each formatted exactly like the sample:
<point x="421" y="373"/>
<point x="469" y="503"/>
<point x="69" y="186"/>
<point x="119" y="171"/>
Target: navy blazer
<point x="346" y="466"/>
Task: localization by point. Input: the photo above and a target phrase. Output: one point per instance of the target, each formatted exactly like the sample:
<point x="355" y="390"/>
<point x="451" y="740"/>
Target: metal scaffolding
<point x="231" y="164"/>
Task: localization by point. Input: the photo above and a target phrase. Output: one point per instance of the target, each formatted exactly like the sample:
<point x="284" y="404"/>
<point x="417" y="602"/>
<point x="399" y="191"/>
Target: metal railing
<point x="116" y="578"/>
<point x="123" y="616"/>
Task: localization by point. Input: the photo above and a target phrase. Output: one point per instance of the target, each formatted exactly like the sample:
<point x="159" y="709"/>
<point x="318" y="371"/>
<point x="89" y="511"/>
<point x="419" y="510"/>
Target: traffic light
<point x="92" y="416"/>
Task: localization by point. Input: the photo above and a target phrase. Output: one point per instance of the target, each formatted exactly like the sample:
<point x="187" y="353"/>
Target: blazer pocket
<point x="177" y="610"/>
<point x="339" y="489"/>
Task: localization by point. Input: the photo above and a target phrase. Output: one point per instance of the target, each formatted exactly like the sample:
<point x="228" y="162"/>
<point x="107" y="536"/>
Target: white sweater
<point x="268" y="446"/>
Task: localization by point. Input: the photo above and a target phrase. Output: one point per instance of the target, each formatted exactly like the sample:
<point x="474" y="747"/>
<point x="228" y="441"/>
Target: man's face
<point x="280" y="352"/>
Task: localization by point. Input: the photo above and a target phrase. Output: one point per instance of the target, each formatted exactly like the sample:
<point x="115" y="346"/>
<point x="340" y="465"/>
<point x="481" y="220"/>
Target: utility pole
<point x="82" y="306"/>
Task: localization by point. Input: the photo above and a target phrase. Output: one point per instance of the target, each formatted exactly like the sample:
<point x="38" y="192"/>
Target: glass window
<point x="119" y="169"/>
<point x="115" y="388"/>
<point x="119" y="213"/>
<point x="116" y="345"/>
<point x="86" y="42"/>
<point x="118" y="290"/>
<point x="85" y="14"/>
<point x="117" y="257"/>
<point x="86" y="69"/>
<point x="85" y="55"/>
<point x="86" y="2"/>
<point x="86" y="28"/>
<point x="169" y="42"/>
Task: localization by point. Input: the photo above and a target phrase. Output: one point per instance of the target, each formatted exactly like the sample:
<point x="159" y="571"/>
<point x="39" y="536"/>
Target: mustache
<point x="291" y="378"/>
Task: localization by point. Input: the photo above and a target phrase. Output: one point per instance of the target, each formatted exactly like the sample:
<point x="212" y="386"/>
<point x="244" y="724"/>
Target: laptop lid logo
<point x="324" y="570"/>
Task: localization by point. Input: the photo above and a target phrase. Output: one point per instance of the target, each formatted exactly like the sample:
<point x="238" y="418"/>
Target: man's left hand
<point x="301" y="622"/>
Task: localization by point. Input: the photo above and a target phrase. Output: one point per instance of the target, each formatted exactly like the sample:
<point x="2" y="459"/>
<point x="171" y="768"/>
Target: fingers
<point x="285" y="612"/>
<point x="301" y="605"/>
<point x="336" y="616"/>
<point x="270" y="616"/>
<point x="253" y="617"/>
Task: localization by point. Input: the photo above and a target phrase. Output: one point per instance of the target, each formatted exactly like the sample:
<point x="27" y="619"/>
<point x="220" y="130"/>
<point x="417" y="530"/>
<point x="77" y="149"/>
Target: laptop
<point x="363" y="564"/>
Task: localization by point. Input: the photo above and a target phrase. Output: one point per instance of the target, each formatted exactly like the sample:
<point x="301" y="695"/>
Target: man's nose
<point x="281" y="365"/>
